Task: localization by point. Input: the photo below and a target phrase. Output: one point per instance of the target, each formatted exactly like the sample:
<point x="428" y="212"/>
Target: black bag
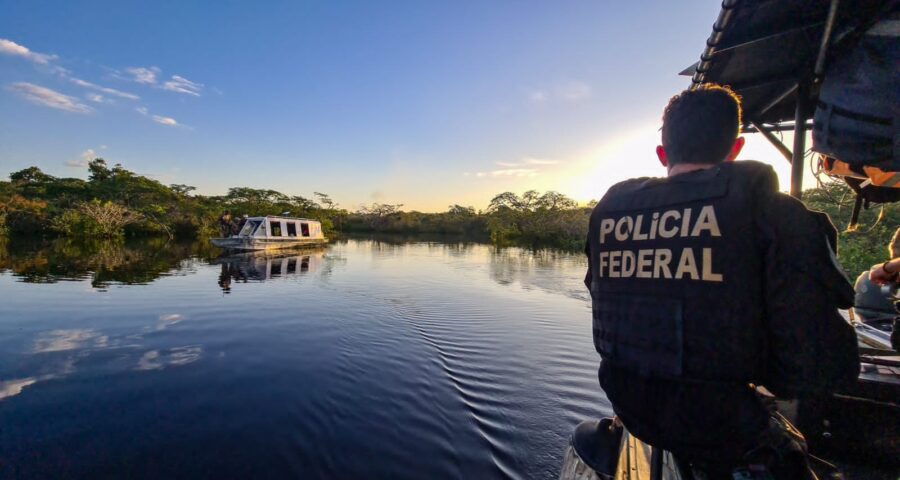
<point x="856" y="119"/>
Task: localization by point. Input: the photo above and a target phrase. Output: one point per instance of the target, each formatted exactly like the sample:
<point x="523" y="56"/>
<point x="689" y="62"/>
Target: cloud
<point x="574" y="91"/>
<point x="145" y="75"/>
<point x="514" y="172"/>
<point x="97" y="98"/>
<point x="539" y="161"/>
<point x="527" y="167"/>
<point x="8" y="47"/>
<point x="537" y="96"/>
<point x="167" y="121"/>
<point x="49" y="98"/>
<point x="527" y="162"/>
<point x="106" y="90"/>
<point x="570" y="91"/>
<point x="180" y="84"/>
<point x="150" y="76"/>
<point x="83" y="159"/>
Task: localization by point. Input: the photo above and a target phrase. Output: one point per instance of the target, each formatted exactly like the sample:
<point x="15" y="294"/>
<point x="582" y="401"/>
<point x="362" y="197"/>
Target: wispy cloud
<point x="145" y="75"/>
<point x="167" y="121"/>
<point x="574" y="91"/>
<point x="569" y="91"/>
<point x="514" y="172"/>
<point x="83" y="159"/>
<point x="49" y="98"/>
<point x="96" y="98"/>
<point x="527" y="167"/>
<point x="151" y="76"/>
<point x="100" y="88"/>
<point x="538" y="96"/>
<point x="9" y="47"/>
<point x="180" y="84"/>
<point x="528" y="162"/>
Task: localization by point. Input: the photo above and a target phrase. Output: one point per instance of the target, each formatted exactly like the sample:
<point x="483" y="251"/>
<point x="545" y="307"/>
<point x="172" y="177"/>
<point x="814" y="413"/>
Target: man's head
<point x="701" y="127"/>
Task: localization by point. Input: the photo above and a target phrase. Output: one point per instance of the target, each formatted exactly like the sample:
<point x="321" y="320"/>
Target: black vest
<point x="677" y="275"/>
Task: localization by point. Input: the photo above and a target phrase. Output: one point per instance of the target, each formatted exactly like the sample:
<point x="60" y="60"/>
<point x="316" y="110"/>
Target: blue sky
<point x="420" y="103"/>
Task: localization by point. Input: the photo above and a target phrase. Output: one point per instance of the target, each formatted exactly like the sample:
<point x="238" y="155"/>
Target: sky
<point x="424" y="104"/>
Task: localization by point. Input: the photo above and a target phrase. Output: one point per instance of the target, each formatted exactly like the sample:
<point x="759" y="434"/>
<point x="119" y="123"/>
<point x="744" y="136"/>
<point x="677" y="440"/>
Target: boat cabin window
<point x="292" y="229"/>
<point x="304" y="264"/>
<point x="275" y="270"/>
<point x="261" y="230"/>
<point x="276" y="228"/>
<point x="304" y="227"/>
<point x="249" y="227"/>
<point x="292" y="265"/>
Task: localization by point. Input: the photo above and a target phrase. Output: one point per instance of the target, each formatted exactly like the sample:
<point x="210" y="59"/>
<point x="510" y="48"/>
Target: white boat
<point x="272" y="232"/>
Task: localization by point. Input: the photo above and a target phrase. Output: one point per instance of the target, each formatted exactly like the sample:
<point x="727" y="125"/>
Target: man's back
<point x="681" y="276"/>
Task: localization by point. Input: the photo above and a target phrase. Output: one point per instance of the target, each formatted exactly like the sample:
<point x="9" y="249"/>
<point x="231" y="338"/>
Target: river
<point x="389" y="358"/>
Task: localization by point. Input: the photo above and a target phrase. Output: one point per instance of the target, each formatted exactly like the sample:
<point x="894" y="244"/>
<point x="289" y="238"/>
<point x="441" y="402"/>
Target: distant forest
<point x="116" y="203"/>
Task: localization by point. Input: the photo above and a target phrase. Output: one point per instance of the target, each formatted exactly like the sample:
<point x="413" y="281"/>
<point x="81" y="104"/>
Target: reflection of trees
<point x="550" y="270"/>
<point x="103" y="261"/>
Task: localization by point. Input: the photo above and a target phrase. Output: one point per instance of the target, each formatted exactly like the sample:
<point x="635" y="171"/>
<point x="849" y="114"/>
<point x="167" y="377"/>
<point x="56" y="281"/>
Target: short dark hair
<point x="700" y="125"/>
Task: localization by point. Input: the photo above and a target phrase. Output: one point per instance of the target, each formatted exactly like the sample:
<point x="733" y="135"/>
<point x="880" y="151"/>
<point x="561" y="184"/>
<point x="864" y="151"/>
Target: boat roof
<point x="282" y="217"/>
<point x="764" y="48"/>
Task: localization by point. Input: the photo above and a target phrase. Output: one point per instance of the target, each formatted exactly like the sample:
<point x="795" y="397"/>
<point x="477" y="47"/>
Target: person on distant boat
<point x="226" y="224"/>
<point x="707" y="284"/>
<point x="240" y="224"/>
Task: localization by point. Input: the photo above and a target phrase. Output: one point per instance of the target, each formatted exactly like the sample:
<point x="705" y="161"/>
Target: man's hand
<point x="884" y="273"/>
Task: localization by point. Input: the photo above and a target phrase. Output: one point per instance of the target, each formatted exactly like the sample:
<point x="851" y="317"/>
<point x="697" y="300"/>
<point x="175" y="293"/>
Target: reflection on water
<point x="379" y="358"/>
<point x="103" y="262"/>
<point x="261" y="266"/>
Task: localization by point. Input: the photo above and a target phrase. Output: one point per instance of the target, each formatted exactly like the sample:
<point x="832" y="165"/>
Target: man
<point x="226" y="224"/>
<point x="888" y="273"/>
<point x="707" y="283"/>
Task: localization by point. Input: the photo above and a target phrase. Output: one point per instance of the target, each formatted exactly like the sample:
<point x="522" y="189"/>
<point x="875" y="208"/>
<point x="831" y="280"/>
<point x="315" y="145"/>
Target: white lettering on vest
<point x="685" y="221"/>
<point x="664" y="231"/>
<point x="604" y="262"/>
<point x="622" y="235"/>
<point x="706" y="220"/>
<point x="637" y="229"/>
<point x="708" y="274"/>
<point x="606" y="226"/>
<point x="687" y="265"/>
<point x="614" y="258"/>
<point x="644" y="261"/>
<point x="661" y="263"/>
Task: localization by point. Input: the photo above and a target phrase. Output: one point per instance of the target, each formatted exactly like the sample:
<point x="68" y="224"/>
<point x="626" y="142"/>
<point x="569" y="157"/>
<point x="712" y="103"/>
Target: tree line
<point x="117" y="203"/>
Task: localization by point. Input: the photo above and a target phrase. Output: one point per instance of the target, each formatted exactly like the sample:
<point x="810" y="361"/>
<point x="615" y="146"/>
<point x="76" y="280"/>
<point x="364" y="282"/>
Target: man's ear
<point x="661" y="153"/>
<point x="735" y="149"/>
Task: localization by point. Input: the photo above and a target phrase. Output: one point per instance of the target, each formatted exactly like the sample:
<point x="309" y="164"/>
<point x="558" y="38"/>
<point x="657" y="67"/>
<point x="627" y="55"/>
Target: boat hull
<point x="250" y="243"/>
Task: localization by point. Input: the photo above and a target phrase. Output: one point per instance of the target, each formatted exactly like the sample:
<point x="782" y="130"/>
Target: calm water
<point x="375" y="359"/>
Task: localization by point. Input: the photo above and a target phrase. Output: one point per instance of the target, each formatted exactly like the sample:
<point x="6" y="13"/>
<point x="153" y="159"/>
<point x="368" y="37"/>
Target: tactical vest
<point x="677" y="275"/>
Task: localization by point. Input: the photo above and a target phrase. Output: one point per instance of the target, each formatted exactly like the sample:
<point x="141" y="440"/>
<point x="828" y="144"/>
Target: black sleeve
<point x="812" y="349"/>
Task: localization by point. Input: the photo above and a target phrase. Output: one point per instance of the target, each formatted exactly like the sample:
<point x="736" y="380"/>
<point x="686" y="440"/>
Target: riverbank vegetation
<point x="116" y="203"/>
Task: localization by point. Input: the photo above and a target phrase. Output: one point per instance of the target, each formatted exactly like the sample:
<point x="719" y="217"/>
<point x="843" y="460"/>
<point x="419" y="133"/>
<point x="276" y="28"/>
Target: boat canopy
<point x="765" y="49"/>
<point x="774" y="54"/>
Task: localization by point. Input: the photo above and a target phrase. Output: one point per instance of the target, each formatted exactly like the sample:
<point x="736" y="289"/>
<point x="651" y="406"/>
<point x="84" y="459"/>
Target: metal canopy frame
<point x="802" y="86"/>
